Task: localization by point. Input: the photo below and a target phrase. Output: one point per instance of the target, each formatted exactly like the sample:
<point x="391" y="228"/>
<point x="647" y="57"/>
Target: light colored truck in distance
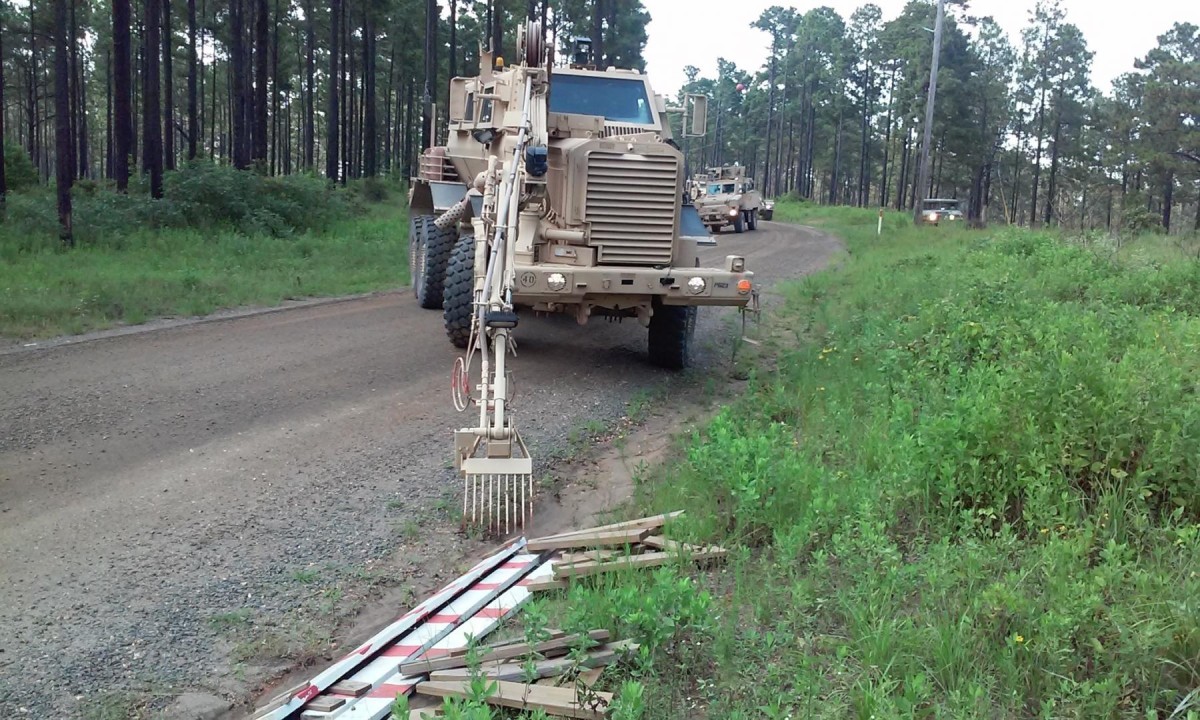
<point x="726" y="196"/>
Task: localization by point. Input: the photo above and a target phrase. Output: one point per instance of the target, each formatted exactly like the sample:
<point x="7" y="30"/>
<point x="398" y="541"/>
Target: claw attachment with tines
<point x="495" y="464"/>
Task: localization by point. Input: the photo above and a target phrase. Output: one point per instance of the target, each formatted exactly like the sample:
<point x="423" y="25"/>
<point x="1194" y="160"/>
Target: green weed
<point x="967" y="488"/>
<point x="136" y="266"/>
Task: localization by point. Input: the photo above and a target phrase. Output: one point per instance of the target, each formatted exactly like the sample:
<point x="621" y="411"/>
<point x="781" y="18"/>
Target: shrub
<point x="19" y="172"/>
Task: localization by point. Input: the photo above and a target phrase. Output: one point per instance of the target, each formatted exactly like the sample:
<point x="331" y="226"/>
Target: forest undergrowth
<point x="963" y="485"/>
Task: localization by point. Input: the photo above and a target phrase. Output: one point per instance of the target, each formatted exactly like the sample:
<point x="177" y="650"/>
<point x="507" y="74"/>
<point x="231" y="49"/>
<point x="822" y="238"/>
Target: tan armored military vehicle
<point x="559" y="190"/>
<point x="595" y="227"/>
<point x="725" y="196"/>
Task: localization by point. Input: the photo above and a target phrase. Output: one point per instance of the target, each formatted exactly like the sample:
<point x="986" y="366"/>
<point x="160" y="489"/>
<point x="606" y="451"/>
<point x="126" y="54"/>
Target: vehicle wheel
<point x="670" y="337"/>
<point x="753" y="220"/>
<point x="460" y="292"/>
<point x="739" y="222"/>
<point x="429" y="251"/>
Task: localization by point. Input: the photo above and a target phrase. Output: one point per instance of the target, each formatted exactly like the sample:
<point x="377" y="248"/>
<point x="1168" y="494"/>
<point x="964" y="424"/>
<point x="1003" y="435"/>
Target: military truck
<point x="935" y="211"/>
<point x="597" y="223"/>
<point x="726" y="197"/>
<point x="559" y="190"/>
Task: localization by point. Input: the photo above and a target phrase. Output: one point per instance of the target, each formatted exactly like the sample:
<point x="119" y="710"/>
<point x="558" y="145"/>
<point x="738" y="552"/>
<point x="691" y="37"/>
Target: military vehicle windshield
<point x="718" y="188"/>
<point x="620" y="100"/>
<point x="940" y="205"/>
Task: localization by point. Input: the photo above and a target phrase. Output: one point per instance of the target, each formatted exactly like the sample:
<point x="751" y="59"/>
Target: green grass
<point x="182" y="272"/>
<point x="969" y="488"/>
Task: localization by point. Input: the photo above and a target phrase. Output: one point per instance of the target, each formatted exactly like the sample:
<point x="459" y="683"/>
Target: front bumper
<point x="718" y="215"/>
<point x="627" y="286"/>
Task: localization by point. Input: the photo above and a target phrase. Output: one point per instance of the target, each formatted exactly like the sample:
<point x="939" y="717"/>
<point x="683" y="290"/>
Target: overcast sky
<point x="697" y="32"/>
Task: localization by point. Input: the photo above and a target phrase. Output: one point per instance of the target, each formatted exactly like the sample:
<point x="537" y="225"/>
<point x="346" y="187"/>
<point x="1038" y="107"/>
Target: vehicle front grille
<point x="631" y="206"/>
<point x="614" y="130"/>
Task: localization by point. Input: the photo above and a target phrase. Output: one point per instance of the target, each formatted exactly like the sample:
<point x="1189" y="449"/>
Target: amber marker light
<point x="743" y="286"/>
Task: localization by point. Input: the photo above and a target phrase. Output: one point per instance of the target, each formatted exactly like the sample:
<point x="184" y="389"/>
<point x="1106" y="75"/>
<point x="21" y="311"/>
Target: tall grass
<point x="970" y="488"/>
<point x="218" y="239"/>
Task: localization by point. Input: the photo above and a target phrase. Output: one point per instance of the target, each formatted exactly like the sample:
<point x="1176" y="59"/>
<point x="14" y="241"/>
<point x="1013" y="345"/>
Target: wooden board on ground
<point x="516" y="672"/>
<point x="556" y="701"/>
<point x="544" y="585"/>
<point x="638" y="561"/>
<point x="605" y="538"/>
<point x="590" y="676"/>
<point x="590" y="555"/>
<point x="549" y="648"/>
<point x="553" y="634"/>
<point x="658" y="542"/>
<point x="647" y="523"/>
<point x="325" y="703"/>
<point x="353" y="688"/>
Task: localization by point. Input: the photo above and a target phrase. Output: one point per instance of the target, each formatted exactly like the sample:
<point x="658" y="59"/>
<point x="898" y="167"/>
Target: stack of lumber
<point x="513" y="665"/>
<point x="620" y="546"/>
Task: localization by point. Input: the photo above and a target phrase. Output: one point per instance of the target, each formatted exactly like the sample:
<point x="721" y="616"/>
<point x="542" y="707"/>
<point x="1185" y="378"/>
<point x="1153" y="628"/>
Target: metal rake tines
<point x="497" y="502"/>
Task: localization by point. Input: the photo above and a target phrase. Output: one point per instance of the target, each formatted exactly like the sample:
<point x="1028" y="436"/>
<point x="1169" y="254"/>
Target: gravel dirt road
<point x="172" y="501"/>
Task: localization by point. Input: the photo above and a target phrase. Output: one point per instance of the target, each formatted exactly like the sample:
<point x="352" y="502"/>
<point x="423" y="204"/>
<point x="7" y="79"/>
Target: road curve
<point x="150" y="481"/>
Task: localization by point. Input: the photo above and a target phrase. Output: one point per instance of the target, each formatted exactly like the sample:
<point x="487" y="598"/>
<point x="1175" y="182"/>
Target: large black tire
<point x="739" y="222"/>
<point x="752" y="222"/>
<point x="670" y="336"/>
<point x="460" y="291"/>
<point x="429" y="253"/>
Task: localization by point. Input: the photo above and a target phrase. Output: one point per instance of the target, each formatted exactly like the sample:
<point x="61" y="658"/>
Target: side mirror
<point x="698" y="105"/>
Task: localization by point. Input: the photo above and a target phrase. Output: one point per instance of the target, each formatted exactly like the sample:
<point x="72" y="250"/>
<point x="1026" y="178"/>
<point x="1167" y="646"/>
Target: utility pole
<point x="923" y="175"/>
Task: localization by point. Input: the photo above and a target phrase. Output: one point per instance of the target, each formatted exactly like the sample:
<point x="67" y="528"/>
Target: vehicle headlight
<point x="733" y="212"/>
<point x="931" y="216"/>
<point x="556" y="281"/>
<point x="696" y="285"/>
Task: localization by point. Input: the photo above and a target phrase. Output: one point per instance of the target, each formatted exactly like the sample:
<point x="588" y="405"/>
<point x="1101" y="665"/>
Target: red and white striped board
<point x="413" y="630"/>
<point x="473" y="614"/>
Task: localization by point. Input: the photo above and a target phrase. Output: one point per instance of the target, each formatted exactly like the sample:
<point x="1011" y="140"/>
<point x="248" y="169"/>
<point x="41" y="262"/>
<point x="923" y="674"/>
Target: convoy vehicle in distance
<point x="767" y="211"/>
<point x="725" y="196"/>
<point x="935" y="211"/>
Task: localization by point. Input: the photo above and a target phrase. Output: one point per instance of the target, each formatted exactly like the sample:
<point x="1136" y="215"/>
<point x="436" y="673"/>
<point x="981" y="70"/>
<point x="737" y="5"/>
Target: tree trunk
<point x="261" y="57"/>
<point x="152" y="142"/>
<point x="1052" y="185"/>
<point x="431" y="15"/>
<point x="122" y="96"/>
<point x="453" y="39"/>
<point x="387" y="112"/>
<point x="238" y="55"/>
<point x="1168" y="200"/>
<point x="193" y="122"/>
<point x="370" y="141"/>
<point x="84" y="166"/>
<point x="331" y="123"/>
<point x="64" y="148"/>
<point x="216" y="115"/>
<point x="276" y="120"/>
<point x="408" y="133"/>
<point x="1018" y="156"/>
<point x="1037" y="159"/>
<point x="770" y="112"/>
<point x="76" y="107"/>
<point x="31" y="91"/>
<point x="168" y="89"/>
<point x="310" y="128"/>
<point x="598" y="32"/>
<point x="497" y="28"/>
<point x="887" y="142"/>
<point x="835" y="176"/>
<point x="347" y="118"/>
<point x="3" y="178"/>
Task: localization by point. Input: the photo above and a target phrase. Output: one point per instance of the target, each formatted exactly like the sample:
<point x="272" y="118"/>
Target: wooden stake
<point x="556" y="701"/>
